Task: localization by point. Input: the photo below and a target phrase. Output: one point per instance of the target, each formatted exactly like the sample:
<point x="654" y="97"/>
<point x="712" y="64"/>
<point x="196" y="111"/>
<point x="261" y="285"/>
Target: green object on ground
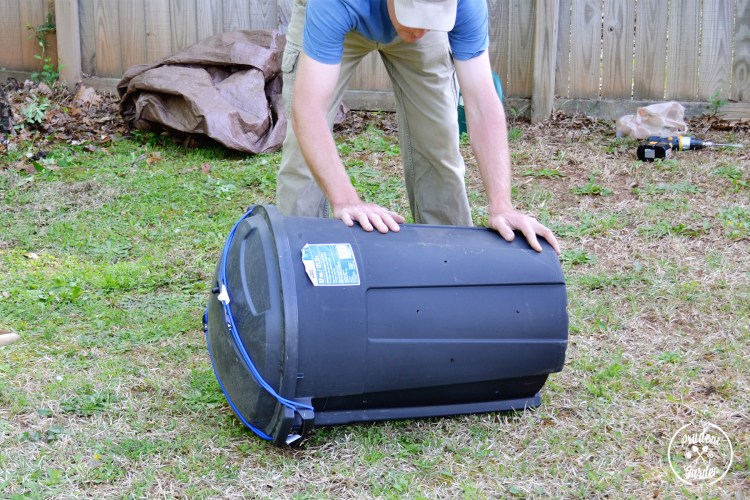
<point x="462" y="114"/>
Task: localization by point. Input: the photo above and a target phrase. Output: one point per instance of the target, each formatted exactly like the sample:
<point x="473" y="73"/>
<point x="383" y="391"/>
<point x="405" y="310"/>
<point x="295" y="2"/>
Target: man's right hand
<point x="370" y="216"/>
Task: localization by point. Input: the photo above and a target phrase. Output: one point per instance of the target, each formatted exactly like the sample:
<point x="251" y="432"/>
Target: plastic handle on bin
<point x="223" y="295"/>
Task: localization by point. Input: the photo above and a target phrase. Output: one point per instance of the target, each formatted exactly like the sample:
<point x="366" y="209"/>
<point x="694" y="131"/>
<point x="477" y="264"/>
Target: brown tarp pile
<point x="226" y="87"/>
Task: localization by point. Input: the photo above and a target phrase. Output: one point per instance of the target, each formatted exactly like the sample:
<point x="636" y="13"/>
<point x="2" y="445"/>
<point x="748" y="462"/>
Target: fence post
<point x="68" y="31"/>
<point x="545" y="55"/>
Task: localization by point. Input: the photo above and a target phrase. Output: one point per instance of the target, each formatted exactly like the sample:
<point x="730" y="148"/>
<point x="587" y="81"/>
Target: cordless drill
<point x="657" y="147"/>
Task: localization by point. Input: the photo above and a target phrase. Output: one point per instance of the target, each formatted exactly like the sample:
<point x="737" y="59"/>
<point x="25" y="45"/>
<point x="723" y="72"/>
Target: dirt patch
<point x="70" y="198"/>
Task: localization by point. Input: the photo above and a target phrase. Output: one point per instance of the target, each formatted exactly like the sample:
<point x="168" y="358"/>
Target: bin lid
<point x="261" y="320"/>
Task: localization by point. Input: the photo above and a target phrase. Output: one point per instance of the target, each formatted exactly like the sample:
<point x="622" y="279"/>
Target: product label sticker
<point x="330" y="264"/>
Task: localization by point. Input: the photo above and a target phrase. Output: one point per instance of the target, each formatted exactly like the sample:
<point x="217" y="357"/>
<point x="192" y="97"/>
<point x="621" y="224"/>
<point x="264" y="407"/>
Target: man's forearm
<point x="311" y="99"/>
<point x="489" y="141"/>
<point x="321" y="155"/>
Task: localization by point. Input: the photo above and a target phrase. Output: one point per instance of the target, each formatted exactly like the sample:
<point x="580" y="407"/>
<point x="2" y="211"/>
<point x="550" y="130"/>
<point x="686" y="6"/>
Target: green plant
<point x="577" y="257"/>
<point x="734" y="174"/>
<point x="650" y="189"/>
<point x="514" y="134"/>
<point x="716" y="102"/>
<point x="547" y="173"/>
<point x="48" y="71"/>
<point x="592" y="188"/>
<point x="666" y="228"/>
<point x="35" y="110"/>
<point x="736" y="222"/>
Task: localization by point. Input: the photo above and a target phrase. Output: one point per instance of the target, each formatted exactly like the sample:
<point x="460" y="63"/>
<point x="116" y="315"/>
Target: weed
<point x="547" y="173"/>
<point x="650" y="189"/>
<point x="734" y="174"/>
<point x="51" y="434"/>
<point x="373" y="188"/>
<point x="592" y="225"/>
<point x="577" y="257"/>
<point x="35" y="111"/>
<point x="48" y="72"/>
<point x="736" y="222"/>
<point x="669" y="357"/>
<point x="666" y="228"/>
<point x="716" y="102"/>
<point x="372" y="140"/>
<point x="618" y="144"/>
<point x="514" y="134"/>
<point x="203" y="392"/>
<point x="88" y="402"/>
<point x="592" y="188"/>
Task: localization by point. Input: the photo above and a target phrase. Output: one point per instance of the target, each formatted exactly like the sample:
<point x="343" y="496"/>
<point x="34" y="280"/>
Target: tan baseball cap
<point x="436" y="15"/>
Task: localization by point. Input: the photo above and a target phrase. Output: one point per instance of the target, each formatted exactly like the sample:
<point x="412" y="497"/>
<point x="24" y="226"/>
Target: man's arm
<point x="313" y="92"/>
<point x="488" y="133"/>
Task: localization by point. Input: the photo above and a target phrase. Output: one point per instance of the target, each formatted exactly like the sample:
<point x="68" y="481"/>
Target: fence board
<point x="87" y="38"/>
<point x="521" y="45"/>
<point x="262" y="15"/>
<point x="210" y="18"/>
<point x="371" y="74"/>
<point x="612" y="49"/>
<point x="617" y="49"/>
<point x="184" y="24"/>
<point x="562" y="65"/>
<point x="283" y="13"/>
<point x="499" y="35"/>
<point x="545" y="46"/>
<point x="68" y="43"/>
<point x="33" y="13"/>
<point x="650" y="50"/>
<point x="716" y="51"/>
<point x="236" y="14"/>
<point x="158" y="30"/>
<point x="682" y="60"/>
<point x="741" y="65"/>
<point x="108" y="52"/>
<point x="132" y="32"/>
<point x="10" y="36"/>
<point x="585" y="41"/>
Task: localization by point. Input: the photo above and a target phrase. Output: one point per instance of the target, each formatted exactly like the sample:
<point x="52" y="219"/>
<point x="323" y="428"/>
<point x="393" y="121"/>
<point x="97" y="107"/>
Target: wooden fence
<point x="598" y="56"/>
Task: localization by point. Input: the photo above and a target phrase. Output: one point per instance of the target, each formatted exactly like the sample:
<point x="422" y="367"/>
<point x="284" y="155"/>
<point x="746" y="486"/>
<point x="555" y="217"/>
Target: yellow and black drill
<point x="657" y="147"/>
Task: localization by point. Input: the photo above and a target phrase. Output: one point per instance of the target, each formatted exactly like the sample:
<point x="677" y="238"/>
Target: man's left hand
<point x="506" y="222"/>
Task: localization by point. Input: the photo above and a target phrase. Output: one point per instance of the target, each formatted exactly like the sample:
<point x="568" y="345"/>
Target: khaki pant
<point x="426" y="91"/>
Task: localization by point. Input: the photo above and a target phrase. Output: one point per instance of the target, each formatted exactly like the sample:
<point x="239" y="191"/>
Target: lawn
<point x="107" y="250"/>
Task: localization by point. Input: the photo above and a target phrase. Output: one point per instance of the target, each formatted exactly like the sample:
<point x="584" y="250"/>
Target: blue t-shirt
<point x="328" y="22"/>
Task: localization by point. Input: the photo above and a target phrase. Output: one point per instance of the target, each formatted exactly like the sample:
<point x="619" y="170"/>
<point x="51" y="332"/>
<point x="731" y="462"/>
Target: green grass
<point x="592" y="188"/>
<point x="107" y="258"/>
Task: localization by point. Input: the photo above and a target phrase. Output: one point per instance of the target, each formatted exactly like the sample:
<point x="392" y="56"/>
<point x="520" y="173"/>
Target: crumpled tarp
<point x="226" y="87"/>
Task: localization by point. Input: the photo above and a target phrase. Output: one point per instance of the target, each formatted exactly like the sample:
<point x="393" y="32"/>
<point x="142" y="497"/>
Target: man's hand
<point x="504" y="223"/>
<point x="370" y="216"/>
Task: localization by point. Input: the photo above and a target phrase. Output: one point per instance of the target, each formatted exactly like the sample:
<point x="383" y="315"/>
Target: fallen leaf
<point x="31" y="255"/>
<point x="153" y="158"/>
<point x="87" y="96"/>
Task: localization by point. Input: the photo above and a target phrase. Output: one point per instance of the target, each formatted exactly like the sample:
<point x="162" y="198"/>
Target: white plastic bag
<point x="662" y="119"/>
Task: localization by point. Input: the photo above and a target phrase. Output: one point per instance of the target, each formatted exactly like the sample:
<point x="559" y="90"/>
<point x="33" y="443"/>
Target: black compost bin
<point x="312" y="323"/>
